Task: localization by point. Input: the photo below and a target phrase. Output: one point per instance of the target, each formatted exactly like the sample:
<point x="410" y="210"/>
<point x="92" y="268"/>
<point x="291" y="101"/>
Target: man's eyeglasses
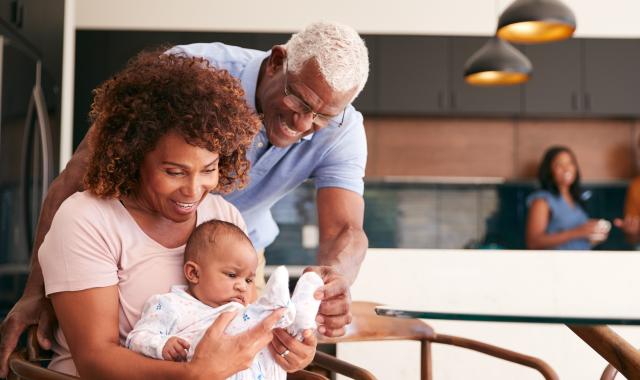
<point x="298" y="105"/>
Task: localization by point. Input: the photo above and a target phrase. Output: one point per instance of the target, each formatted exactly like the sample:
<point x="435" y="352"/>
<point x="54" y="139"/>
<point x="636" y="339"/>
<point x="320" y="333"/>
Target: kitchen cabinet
<point x="612" y="77"/>
<point x="584" y="77"/>
<point x="555" y="87"/>
<point x="420" y="75"/>
<point x="413" y="75"/>
<point x="424" y="76"/>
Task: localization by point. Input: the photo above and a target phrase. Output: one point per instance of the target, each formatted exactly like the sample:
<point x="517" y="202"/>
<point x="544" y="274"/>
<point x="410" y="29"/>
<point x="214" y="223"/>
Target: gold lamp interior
<point x="496" y="78"/>
<point x="533" y="32"/>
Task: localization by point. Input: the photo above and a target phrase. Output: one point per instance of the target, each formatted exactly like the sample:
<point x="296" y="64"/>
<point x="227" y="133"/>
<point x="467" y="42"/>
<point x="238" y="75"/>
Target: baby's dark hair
<point x="203" y="238"/>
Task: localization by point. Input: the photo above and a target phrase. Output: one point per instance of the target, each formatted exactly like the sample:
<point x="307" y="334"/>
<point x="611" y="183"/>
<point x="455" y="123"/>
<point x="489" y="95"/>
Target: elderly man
<point x="303" y="91"/>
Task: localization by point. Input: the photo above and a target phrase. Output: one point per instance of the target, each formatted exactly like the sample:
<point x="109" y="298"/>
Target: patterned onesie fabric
<point x="179" y="314"/>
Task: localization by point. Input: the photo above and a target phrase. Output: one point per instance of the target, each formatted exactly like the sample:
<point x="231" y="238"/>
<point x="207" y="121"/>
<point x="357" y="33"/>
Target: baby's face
<point x="228" y="273"/>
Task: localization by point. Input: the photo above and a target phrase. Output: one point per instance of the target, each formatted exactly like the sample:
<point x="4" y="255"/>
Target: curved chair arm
<point x="305" y="375"/>
<point x="498" y="352"/>
<point x="21" y="368"/>
<point x="609" y="373"/>
<point x="336" y="365"/>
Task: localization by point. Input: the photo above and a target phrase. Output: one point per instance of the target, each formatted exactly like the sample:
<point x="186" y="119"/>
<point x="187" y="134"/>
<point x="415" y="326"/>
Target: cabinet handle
<point x="574" y="101"/>
<point x="452" y="100"/>
<point x="441" y="104"/>
<point x="587" y="102"/>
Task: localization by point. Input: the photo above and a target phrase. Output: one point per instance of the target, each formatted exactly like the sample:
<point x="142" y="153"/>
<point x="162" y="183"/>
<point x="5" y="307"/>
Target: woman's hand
<point x="291" y="354"/>
<point x="588" y="228"/>
<point x="219" y="355"/>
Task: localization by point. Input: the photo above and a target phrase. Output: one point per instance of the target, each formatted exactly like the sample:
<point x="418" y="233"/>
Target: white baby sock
<point x="275" y="296"/>
<point x="306" y="305"/>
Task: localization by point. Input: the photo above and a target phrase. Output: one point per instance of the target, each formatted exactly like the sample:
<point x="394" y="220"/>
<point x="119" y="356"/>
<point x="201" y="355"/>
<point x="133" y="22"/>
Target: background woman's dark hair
<point x="158" y="93"/>
<point x="545" y="173"/>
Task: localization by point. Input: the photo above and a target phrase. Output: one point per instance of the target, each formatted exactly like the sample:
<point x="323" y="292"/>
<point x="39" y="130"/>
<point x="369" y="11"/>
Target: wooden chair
<point x="27" y="364"/>
<point x="609" y="373"/>
<point x="368" y="326"/>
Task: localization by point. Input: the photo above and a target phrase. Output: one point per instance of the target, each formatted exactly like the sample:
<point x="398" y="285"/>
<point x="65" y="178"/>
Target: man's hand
<point x="29" y="310"/>
<point x="334" y="313"/>
<point x="175" y="349"/>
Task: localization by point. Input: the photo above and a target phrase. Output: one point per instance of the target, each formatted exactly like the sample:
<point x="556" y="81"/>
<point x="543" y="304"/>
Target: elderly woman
<point x="169" y="131"/>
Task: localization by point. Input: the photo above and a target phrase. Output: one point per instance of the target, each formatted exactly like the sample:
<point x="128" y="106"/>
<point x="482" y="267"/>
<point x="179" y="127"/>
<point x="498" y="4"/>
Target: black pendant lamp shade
<point x="536" y="21"/>
<point x="497" y="63"/>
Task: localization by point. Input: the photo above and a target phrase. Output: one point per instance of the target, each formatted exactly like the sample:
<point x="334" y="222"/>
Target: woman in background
<point x="556" y="218"/>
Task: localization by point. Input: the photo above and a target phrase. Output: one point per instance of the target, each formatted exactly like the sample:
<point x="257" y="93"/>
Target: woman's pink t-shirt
<point x="96" y="243"/>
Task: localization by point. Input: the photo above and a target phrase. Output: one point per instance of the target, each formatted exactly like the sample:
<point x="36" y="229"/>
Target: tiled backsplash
<point x="436" y="215"/>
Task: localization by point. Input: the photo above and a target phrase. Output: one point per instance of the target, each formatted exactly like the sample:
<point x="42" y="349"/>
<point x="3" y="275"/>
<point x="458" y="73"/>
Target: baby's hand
<point x="175" y="349"/>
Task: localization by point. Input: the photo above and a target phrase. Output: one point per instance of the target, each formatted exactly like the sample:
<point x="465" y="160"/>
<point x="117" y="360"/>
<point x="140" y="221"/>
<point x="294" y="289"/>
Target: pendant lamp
<point x="497" y="63"/>
<point x="536" y="21"/>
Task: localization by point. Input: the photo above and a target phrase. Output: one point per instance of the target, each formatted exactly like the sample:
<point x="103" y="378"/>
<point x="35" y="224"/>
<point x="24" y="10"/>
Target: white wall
<point x="511" y="282"/>
<point x="614" y="18"/>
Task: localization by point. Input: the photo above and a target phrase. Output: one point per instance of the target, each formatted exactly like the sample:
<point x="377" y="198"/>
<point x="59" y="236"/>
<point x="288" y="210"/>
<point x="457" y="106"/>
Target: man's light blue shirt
<point x="331" y="157"/>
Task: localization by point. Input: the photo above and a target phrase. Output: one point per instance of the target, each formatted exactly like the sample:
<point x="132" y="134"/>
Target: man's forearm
<point x="345" y="252"/>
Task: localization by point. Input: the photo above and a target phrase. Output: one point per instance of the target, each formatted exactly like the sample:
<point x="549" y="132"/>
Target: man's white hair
<point x="339" y="51"/>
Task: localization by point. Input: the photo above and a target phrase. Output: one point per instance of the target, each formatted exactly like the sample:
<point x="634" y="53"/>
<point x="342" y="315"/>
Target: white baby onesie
<point x="179" y="314"/>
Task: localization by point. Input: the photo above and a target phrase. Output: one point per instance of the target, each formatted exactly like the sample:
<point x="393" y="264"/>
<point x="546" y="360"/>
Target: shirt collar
<point x="249" y="82"/>
<point x="249" y="78"/>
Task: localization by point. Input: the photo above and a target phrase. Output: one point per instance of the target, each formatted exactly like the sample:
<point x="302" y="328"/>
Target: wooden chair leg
<point x="425" y="360"/>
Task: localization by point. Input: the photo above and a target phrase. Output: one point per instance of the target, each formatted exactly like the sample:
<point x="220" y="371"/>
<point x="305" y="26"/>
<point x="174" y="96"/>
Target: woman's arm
<point x="89" y="321"/>
<point x="537" y="222"/>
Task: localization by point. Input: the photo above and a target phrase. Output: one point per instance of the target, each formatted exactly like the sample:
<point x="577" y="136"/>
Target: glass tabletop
<point x="395" y="311"/>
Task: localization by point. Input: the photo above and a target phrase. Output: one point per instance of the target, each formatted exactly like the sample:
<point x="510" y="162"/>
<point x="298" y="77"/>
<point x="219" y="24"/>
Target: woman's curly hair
<point x="158" y="93"/>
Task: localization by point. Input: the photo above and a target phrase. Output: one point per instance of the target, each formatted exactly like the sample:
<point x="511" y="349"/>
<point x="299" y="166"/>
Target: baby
<point x="220" y="265"/>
